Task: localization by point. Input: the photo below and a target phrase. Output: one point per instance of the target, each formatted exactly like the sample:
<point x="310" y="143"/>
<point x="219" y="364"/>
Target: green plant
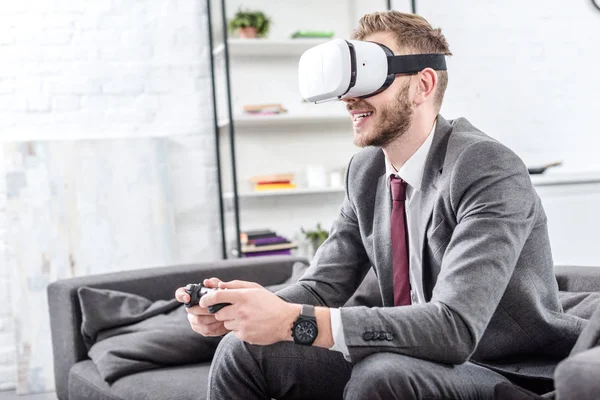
<point x="247" y="18"/>
<point x="316" y="236"/>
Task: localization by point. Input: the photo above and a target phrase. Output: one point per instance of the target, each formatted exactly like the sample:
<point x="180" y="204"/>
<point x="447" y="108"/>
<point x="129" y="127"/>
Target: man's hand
<point x="200" y="319"/>
<point x="255" y="315"/>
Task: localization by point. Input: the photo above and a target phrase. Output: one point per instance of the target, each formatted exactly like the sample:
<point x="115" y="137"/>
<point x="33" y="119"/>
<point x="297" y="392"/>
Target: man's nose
<point x="350" y="100"/>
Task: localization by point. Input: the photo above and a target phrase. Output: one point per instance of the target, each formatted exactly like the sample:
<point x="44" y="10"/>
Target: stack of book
<point x="264" y="109"/>
<point x="265" y="242"/>
<point x="273" y="182"/>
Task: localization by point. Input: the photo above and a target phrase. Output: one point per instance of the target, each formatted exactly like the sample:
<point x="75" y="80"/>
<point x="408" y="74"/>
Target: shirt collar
<point x="412" y="170"/>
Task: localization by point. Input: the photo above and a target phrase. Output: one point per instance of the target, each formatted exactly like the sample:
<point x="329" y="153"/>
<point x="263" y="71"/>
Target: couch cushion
<point x="578" y="377"/>
<point x="181" y="383"/>
<point x="590" y="336"/>
<point x="580" y="304"/>
<point x="127" y="333"/>
<point x="298" y="269"/>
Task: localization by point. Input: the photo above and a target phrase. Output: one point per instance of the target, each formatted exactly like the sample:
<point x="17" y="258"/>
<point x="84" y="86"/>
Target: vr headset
<point x="341" y="69"/>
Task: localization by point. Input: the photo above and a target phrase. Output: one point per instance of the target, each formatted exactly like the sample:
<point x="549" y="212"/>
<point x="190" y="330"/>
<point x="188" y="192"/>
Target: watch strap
<point x="307" y="311"/>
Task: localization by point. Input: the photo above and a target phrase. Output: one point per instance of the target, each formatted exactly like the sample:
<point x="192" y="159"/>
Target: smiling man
<point x="448" y="219"/>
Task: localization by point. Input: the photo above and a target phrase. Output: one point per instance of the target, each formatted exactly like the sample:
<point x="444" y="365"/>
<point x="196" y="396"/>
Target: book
<point x="269" y="253"/>
<point x="250" y="248"/>
<point x="272" y="178"/>
<point x="269" y="240"/>
<point x="272" y="182"/>
<point x="266" y="112"/>
<point x="264" y="109"/>
<point x="248" y="236"/>
<point x="274" y="186"/>
<point x="258" y="232"/>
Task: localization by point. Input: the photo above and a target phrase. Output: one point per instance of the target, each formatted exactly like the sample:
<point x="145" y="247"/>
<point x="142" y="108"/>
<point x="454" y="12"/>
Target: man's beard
<point x="393" y="121"/>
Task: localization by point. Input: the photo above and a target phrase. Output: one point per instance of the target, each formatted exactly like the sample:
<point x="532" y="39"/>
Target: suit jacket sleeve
<point x="339" y="266"/>
<point x="494" y="202"/>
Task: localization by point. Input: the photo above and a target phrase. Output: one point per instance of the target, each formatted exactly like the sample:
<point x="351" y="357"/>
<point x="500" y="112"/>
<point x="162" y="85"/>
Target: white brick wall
<point x="84" y="69"/>
<point x="98" y="68"/>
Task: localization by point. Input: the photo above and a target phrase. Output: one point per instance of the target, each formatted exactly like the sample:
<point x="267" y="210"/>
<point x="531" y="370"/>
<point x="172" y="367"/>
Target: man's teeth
<point x="362" y="115"/>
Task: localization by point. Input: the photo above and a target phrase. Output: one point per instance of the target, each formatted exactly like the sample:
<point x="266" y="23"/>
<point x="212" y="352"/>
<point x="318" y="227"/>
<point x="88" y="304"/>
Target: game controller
<point x="196" y="291"/>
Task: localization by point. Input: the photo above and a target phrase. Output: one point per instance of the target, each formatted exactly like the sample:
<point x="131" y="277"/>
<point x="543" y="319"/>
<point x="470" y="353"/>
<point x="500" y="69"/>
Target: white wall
<point x="102" y="68"/>
<point x="108" y="147"/>
<point x="525" y="72"/>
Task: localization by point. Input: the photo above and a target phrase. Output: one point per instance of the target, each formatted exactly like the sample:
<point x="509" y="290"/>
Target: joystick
<point x="196" y="291"/>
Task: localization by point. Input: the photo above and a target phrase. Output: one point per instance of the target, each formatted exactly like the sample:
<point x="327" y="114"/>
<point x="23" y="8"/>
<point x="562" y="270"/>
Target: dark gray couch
<point x="77" y="378"/>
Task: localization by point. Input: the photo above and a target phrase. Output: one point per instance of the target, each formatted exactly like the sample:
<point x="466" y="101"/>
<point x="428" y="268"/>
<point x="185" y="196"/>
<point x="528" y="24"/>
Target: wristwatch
<point x="305" y="329"/>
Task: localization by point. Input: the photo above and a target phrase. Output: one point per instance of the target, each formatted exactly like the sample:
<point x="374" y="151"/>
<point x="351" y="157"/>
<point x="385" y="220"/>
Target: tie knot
<point x="398" y="188"/>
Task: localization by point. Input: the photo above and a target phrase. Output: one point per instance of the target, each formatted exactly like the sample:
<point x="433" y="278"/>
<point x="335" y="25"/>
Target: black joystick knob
<point x="196" y="291"/>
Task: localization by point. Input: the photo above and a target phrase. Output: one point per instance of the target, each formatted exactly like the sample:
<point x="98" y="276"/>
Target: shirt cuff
<point x="337" y="329"/>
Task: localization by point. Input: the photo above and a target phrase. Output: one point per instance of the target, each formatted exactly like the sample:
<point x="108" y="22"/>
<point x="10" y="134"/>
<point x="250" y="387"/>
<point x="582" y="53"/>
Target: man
<point x="457" y="236"/>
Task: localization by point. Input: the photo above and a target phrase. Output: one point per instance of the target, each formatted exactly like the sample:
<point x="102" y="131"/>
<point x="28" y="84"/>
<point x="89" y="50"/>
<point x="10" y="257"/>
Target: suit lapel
<point x="383" y="242"/>
<point x="433" y="169"/>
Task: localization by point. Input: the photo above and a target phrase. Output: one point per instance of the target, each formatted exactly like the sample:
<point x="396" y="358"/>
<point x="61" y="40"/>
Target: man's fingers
<point x="197" y="310"/>
<point x="181" y="295"/>
<point x="221" y="330"/>
<point x="231" y="325"/>
<point x="229" y="313"/>
<point x="223" y="296"/>
<point x="239" y="285"/>
<point x="213" y="329"/>
<point x="211" y="282"/>
<point x="202" y="319"/>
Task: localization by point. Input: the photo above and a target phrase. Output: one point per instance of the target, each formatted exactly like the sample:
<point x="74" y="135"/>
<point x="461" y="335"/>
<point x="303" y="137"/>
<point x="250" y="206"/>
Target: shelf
<point x="554" y="178"/>
<point x="285" y="192"/>
<point x="268" y="47"/>
<point x="245" y="121"/>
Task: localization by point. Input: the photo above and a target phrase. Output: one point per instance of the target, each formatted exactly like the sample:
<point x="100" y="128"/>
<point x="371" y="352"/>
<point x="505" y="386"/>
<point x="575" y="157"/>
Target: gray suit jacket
<point x="488" y="274"/>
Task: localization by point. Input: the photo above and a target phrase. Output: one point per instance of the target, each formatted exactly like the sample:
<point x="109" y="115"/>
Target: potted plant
<point x="250" y="24"/>
<point x="315" y="237"/>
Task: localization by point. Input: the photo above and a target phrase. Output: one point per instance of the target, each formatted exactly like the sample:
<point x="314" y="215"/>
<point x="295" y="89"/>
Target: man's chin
<point x="362" y="139"/>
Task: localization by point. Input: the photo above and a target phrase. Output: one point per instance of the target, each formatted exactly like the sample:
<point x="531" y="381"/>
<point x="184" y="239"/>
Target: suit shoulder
<point x="369" y="160"/>
<point x="469" y="144"/>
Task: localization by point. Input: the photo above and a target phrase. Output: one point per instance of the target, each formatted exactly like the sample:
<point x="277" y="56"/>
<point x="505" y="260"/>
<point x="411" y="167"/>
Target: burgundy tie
<point x="399" y="235"/>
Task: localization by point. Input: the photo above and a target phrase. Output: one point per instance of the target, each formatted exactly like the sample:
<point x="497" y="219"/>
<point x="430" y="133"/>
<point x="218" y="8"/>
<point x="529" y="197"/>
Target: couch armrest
<point x="578" y="376"/>
<point x="152" y="283"/>
<point x="578" y="279"/>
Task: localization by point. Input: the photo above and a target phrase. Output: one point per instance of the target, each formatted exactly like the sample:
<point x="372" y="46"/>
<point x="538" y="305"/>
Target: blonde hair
<point x="414" y="35"/>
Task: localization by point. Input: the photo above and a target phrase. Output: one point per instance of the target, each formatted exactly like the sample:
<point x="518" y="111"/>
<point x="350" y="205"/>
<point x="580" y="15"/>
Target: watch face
<point x="305" y="331"/>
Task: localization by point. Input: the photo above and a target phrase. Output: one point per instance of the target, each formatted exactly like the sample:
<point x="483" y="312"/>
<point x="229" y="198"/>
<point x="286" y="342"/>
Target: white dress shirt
<point x="412" y="173"/>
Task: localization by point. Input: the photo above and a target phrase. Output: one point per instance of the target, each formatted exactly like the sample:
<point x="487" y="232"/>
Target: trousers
<point x="289" y="371"/>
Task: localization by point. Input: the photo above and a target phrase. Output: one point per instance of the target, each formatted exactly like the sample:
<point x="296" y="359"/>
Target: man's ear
<point x="426" y="85"/>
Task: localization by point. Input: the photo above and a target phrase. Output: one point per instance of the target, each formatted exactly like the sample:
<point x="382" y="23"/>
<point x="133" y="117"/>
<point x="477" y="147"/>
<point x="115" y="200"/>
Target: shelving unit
<point x="286" y="192"/>
<point x="248" y="121"/>
<point x="264" y="71"/>
<point x="267" y="47"/>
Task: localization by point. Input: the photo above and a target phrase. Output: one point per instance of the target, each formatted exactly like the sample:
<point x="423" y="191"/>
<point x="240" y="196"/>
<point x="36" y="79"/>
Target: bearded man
<point x="450" y="222"/>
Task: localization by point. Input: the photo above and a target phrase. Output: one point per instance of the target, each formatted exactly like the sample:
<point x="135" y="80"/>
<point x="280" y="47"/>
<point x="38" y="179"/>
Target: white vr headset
<point x="341" y="69"/>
